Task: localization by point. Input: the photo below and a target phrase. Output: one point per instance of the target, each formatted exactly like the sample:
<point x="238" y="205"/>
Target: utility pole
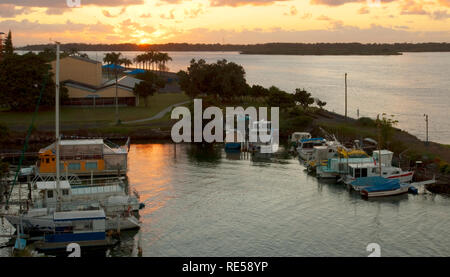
<point x="345" y="95"/>
<point x="58" y="169"/>
<point x="117" y="100"/>
<point x="426" y="120"/>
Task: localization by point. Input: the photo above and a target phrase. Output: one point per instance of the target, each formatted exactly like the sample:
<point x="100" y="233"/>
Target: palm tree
<point x="116" y="60"/>
<point x="150" y="57"/>
<point x="126" y="62"/>
<point x="164" y="58"/>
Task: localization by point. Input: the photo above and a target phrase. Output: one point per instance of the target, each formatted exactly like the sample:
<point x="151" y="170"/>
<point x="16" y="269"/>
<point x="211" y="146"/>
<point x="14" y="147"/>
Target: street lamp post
<point x="426" y="121"/>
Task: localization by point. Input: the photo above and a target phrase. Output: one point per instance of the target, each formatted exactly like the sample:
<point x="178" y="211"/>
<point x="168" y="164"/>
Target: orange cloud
<point x="292" y="11"/>
<point x="236" y="3"/>
<point x="445" y="3"/>
<point x="342" y="2"/>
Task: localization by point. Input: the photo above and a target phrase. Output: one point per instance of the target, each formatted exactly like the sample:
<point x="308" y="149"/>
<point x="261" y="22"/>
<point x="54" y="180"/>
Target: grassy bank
<point x="73" y="118"/>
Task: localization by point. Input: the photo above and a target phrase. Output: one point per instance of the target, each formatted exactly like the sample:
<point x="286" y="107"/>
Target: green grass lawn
<point x="105" y="115"/>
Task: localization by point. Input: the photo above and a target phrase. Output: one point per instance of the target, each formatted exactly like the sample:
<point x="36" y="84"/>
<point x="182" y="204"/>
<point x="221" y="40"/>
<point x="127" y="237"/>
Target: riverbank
<point x="407" y="148"/>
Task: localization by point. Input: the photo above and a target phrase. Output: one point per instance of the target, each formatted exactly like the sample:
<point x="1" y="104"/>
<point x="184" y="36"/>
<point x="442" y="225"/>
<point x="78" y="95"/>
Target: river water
<point x="407" y="86"/>
<point x="204" y="202"/>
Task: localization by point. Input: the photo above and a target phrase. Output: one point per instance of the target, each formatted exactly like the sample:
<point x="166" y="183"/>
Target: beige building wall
<point x="78" y="70"/>
<point x="107" y="92"/>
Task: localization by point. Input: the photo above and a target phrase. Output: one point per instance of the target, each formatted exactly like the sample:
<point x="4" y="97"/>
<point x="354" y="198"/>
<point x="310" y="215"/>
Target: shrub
<point x="366" y="121"/>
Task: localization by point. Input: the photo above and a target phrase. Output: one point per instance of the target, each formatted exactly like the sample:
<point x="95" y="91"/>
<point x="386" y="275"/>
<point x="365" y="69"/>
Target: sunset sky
<point x="226" y="21"/>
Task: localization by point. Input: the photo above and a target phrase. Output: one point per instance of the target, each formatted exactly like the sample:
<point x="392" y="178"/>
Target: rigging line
<point x="25" y="146"/>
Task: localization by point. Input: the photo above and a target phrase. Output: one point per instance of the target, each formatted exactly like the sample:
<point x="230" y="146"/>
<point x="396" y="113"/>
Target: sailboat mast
<point x="379" y="143"/>
<point x="58" y="169"/>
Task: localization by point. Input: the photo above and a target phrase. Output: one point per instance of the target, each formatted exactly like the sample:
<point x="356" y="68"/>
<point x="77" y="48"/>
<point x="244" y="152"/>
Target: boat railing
<point x="81" y="156"/>
<point x="100" y="182"/>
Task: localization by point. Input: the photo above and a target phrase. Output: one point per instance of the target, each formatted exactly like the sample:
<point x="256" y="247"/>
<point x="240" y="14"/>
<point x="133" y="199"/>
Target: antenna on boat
<point x="379" y="143"/>
<point x="58" y="137"/>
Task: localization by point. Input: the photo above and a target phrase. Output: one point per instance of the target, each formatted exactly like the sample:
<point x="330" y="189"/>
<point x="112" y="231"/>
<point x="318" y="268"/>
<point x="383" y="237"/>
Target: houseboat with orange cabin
<point x="84" y="157"/>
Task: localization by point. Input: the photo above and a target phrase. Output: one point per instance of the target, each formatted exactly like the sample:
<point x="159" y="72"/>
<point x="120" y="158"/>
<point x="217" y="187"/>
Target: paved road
<point x="158" y="115"/>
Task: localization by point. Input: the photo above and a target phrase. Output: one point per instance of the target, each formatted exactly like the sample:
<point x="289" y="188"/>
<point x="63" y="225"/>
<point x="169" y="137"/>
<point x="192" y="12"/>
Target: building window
<point x="47" y="160"/>
<point x="74" y="166"/>
<point x="50" y="194"/>
<point x="65" y="192"/>
<point x="91" y="165"/>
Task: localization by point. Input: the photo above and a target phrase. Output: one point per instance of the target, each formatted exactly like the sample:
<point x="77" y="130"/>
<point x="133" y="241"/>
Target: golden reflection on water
<point x="150" y="174"/>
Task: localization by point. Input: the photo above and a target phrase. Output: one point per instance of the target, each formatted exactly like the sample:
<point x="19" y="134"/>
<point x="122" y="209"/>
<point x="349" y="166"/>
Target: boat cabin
<point x="48" y="192"/>
<point x="297" y="136"/>
<point x="86" y="228"/>
<point x="308" y="144"/>
<point x="84" y="157"/>
<point x="386" y="156"/>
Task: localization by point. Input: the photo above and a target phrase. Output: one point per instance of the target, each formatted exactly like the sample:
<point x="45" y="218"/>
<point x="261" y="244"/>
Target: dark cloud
<point x="334" y="2"/>
<point x="9" y="10"/>
<point x="63" y="3"/>
<point x="34" y="27"/>
<point x="53" y="11"/>
<point x="440" y="15"/>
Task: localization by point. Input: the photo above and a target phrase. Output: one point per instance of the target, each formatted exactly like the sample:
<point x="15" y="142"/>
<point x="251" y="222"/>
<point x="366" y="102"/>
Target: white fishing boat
<point x="321" y="154"/>
<point x="295" y="138"/>
<point x="338" y="165"/>
<point x="306" y="147"/>
<point x="382" y="160"/>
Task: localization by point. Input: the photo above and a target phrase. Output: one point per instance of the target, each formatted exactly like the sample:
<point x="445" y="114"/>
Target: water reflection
<point x="205" y="202"/>
<point x="204" y="153"/>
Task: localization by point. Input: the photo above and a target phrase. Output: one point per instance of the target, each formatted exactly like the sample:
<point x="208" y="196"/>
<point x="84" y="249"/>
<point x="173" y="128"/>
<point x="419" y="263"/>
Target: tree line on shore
<point x="225" y="82"/>
<point x="264" y="48"/>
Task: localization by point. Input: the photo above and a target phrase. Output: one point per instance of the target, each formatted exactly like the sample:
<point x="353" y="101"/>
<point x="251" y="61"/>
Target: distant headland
<point x="263" y="49"/>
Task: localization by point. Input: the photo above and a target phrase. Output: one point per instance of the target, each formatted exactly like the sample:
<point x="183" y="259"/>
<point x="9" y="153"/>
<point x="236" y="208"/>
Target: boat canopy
<point x="81" y="142"/>
<point x="375" y="181"/>
<point x="52" y="185"/>
<point x="312" y="139"/>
